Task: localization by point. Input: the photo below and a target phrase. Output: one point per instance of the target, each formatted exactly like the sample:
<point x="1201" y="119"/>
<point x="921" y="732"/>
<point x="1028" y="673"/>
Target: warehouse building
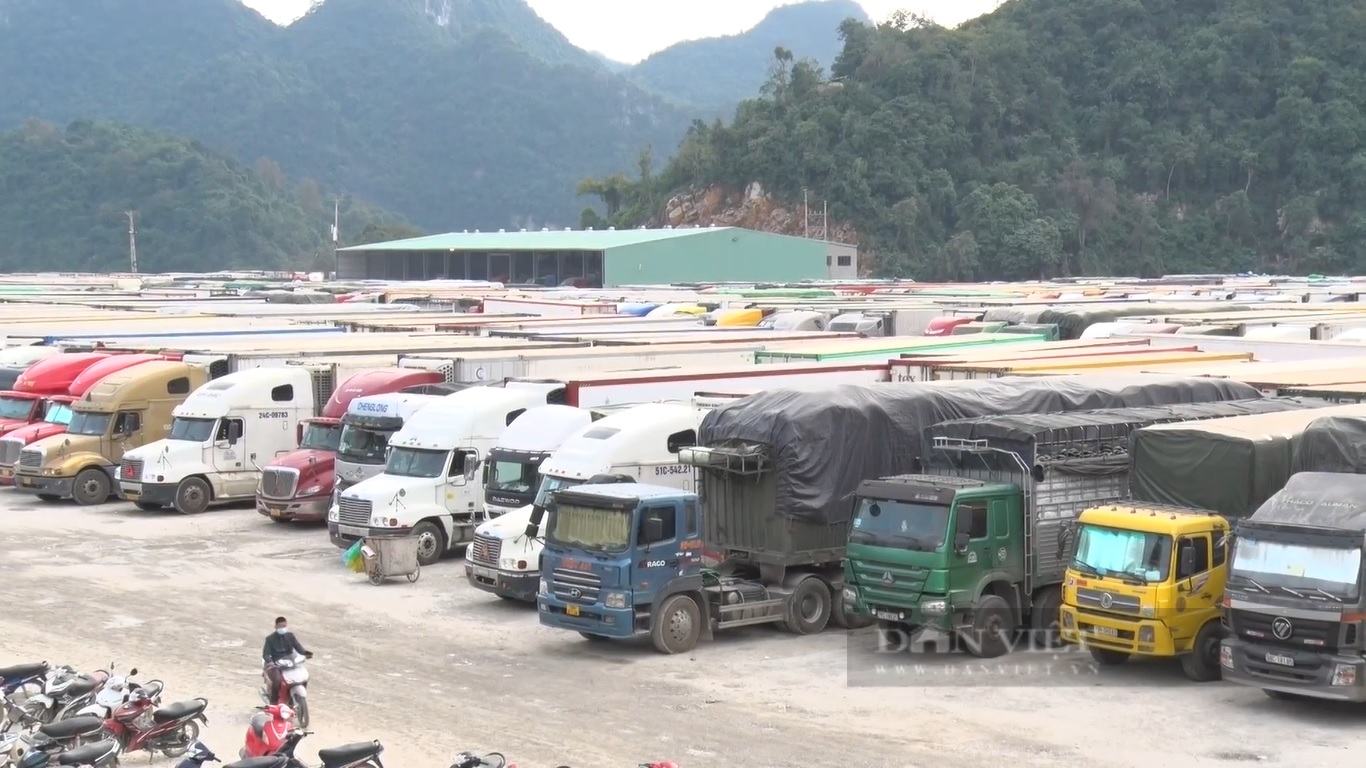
<point x="596" y="258"/>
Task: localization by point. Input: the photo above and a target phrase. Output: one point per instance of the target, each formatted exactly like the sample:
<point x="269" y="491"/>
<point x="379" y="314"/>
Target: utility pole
<point x="132" y="240"/>
<point x="336" y="229"/>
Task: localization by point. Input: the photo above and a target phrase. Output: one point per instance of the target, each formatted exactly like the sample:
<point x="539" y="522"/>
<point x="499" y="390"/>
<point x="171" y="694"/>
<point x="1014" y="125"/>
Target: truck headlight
<point x="614" y="599"/>
<point x="507" y="563"/>
<point x="311" y="490"/>
<point x="850" y="596"/>
<point x="544" y="588"/>
<point x="1147" y="612"/>
<point x="1225" y="657"/>
<point x="49" y="471"/>
<point x="332" y="514"/>
<point x="934" y="607"/>
<point x="1344" y="674"/>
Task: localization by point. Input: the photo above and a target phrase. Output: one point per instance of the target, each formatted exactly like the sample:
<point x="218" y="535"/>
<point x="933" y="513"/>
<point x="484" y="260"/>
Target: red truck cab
<point x="57" y="413"/>
<point x="943" y="326"/>
<point x="298" y="485"/>
<point x="27" y="402"/>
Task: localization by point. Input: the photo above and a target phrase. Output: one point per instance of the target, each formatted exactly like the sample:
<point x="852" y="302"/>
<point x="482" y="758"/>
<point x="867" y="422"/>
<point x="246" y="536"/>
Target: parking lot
<point x="436" y="667"/>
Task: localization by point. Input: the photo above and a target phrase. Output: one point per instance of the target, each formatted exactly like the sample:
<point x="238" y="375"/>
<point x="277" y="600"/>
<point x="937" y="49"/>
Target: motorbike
<point x="21" y="676"/>
<point x="293" y="686"/>
<point x="471" y="760"/>
<point x="114" y="692"/>
<point x="197" y="755"/>
<point x="139" y="725"/>
<point x="55" y="739"/>
<point x="361" y="754"/>
<point x="65" y="691"/>
<point x="101" y="754"/>
<point x="266" y="731"/>
<point x="10" y="749"/>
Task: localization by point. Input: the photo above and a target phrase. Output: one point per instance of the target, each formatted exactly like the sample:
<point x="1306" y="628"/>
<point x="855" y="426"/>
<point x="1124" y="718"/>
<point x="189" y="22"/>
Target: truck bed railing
<point x="743" y="459"/>
<point x="1027" y="476"/>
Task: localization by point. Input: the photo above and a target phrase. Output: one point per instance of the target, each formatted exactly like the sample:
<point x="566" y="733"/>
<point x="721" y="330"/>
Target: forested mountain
<point x="457" y="113"/>
<point x="64" y="194"/>
<point x="1058" y="137"/>
<point x="726" y="70"/>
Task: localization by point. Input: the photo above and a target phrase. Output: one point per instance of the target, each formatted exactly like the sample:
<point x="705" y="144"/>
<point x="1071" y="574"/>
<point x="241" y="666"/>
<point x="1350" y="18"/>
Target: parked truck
<point x="430" y="484"/>
<point x="112" y="420"/>
<point x="367" y="426"/>
<point x="777" y="477"/>
<point x="58" y="412"/>
<point x="1295" y="600"/>
<point x="299" y="486"/>
<point x="640" y="442"/>
<point x="52" y="375"/>
<point x="221" y="437"/>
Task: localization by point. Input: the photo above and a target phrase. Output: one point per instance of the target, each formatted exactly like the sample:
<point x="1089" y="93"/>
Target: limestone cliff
<point x="751" y="208"/>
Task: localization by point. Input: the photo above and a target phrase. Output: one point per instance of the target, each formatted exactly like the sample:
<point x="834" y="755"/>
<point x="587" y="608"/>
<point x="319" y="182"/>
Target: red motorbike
<point x="267" y="730"/>
<point x="139" y="725"/>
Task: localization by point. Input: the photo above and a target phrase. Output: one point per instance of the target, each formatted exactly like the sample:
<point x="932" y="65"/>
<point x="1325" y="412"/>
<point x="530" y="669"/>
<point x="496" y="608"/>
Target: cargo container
<point x="920" y="366"/>
<point x="550" y="363"/>
<point x="544" y="308"/>
<point x="1077" y="365"/>
<point x="885" y="349"/>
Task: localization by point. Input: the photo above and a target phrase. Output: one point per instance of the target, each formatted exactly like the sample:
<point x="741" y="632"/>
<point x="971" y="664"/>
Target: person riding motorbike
<point x="280" y="644"/>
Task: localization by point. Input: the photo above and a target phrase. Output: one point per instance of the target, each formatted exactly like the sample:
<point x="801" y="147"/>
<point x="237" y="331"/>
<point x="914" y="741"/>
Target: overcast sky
<point x="630" y="30"/>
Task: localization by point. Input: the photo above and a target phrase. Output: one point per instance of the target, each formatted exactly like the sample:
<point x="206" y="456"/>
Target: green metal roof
<point x="541" y="240"/>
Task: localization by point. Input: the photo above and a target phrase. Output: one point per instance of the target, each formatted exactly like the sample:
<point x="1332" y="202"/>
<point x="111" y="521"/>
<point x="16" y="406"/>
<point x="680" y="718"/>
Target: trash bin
<point x="390" y="558"/>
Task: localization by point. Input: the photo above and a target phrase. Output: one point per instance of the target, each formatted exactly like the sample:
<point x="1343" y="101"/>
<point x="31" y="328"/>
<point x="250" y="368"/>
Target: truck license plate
<point x="27" y="482"/>
<point x="1107" y="631"/>
<point x="1276" y="658"/>
<point x="484" y="573"/>
<point x="572" y="610"/>
<point x="887" y="615"/>
<point x="6" y="473"/>
<point x="347" y="530"/>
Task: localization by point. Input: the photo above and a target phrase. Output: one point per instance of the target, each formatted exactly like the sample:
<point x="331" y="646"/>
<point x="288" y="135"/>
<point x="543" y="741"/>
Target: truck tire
<point x="808" y="607"/>
<point x="1202" y="663"/>
<point x="993" y="623"/>
<point x="1107" y="657"/>
<point x="91" y="487"/>
<point x="677" y="625"/>
<point x="192" y="496"/>
<point x="431" y="542"/>
<point x="1044" y="617"/>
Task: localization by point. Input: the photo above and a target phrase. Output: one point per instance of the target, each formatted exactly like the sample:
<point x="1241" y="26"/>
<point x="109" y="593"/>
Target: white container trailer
<point x="684" y="384"/>
<point x="550" y="363"/>
<point x="547" y="308"/>
<point x="1265" y="351"/>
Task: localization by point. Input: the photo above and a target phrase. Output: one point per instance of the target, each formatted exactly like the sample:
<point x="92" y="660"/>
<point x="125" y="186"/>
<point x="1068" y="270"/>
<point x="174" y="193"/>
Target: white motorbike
<point x="293" y="687"/>
<point x="113" y="694"/>
<point x="60" y="685"/>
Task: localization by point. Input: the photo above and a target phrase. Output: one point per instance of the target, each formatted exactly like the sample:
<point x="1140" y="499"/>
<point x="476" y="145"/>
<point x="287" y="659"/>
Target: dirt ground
<point x="436" y="667"/>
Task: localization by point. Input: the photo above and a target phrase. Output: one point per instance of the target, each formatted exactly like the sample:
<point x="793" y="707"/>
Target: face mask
<point x="282" y="630"/>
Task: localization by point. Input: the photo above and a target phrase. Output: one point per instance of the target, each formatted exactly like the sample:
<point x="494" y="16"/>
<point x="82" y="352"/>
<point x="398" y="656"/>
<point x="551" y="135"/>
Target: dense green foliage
<point x="64" y="194"/>
<point x="1067" y="137"/>
<point x="726" y="70"/>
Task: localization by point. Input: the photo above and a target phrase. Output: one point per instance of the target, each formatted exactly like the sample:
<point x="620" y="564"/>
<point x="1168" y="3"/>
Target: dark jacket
<point x="280" y="646"/>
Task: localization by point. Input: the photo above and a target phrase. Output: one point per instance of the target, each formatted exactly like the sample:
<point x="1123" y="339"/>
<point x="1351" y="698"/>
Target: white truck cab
<point x="640" y="442"/>
<point x="430" y="487"/>
<point x="367" y="426"/>
<point x="512" y="471"/>
<point x="221" y="436"/>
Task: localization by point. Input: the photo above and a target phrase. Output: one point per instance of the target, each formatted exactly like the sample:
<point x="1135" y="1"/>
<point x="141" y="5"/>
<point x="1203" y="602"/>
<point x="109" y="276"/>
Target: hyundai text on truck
<point x="53" y="375"/>
<point x="58" y="412"/>
<point x="368" y="424"/>
<point x="299" y="485"/>
<point x="430" y="487"/>
<point x="220" y="438"/>
<point x="124" y="411"/>
<point x="640" y="442"/>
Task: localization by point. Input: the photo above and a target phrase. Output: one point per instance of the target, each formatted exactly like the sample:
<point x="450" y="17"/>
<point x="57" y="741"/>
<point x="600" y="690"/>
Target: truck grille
<point x="485" y="550"/>
<point x="576" y="586"/>
<point x="31" y="458"/>
<point x="1304" y="633"/>
<point x="1100" y="600"/>
<point x="279" y="483"/>
<point x="130" y="469"/>
<point x="9" y="451"/>
<point x="354" y="511"/>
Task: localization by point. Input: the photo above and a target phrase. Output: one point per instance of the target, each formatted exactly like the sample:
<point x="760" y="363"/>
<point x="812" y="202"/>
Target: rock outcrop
<point x="751" y="208"/>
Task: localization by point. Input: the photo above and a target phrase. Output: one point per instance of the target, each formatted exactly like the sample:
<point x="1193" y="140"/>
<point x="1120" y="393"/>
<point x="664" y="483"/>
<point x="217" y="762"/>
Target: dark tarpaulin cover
<point x="1072" y="320"/>
<point x="1333" y="444"/>
<point x="1321" y="499"/>
<point x="823" y="443"/>
<point x="1229" y="466"/>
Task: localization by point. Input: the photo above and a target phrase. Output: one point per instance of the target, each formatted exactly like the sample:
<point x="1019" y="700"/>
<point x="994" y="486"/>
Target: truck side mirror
<point x="654" y="528"/>
<point x="234" y="432"/>
<point x="1187" y="563"/>
<point x="960" y="542"/>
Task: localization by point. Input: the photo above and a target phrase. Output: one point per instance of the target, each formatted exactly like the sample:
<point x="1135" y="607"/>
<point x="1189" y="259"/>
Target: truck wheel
<point x="192" y="496"/>
<point x="1202" y="663"/>
<point x="147" y="506"/>
<point x="1044" y="619"/>
<point x="431" y="543"/>
<point x="992" y="626"/>
<point x="91" y="487"/>
<point x="1107" y="657"/>
<point x="677" y="625"/>
<point x="808" y="607"/>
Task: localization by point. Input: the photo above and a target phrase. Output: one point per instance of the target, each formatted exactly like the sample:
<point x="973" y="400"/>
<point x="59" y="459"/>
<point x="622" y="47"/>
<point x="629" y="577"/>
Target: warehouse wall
<point x="722" y="255"/>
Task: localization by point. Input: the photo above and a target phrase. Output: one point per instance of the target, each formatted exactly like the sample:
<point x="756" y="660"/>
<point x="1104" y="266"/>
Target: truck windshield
<point x="15" y="408"/>
<point x="416" y="462"/>
<point x="58" y="413"/>
<point x="363" y="445"/>
<point x="550" y="484"/>
<point x="513" y="476"/>
<point x="193" y="430"/>
<point x="901" y="524"/>
<point x="87" y="423"/>
<point x="1133" y="554"/>
<point x="592" y="528"/>
<point x="321" y="437"/>
<point x="1296" y="567"/>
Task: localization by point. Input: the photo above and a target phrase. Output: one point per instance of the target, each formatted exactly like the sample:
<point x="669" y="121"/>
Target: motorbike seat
<point x="349" y="753"/>
<point x="180" y="709"/>
<point x="22" y="671"/>
<point x="72" y="727"/>
<point x="97" y="754"/>
<point x="81" y="686"/>
<point x="269" y="761"/>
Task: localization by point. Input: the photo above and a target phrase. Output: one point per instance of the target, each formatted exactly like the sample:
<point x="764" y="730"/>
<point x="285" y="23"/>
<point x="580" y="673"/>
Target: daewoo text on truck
<point x="220" y="438"/>
<point x="124" y="411"/>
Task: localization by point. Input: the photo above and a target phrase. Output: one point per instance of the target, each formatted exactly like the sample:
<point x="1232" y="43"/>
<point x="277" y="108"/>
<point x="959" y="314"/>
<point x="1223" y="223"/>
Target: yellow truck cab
<point x="122" y="412"/>
<point x="1147" y="580"/>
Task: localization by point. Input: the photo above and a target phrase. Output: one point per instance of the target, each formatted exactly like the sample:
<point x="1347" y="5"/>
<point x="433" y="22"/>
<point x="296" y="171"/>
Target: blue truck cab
<point x="617" y="555"/>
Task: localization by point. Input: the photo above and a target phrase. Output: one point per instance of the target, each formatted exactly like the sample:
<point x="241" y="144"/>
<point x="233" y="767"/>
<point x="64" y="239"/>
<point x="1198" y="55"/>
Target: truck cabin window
<point x="416" y="462"/>
<point x="362" y="444"/>
<point x="972" y="517"/>
<point x="512" y="476"/>
<point x="666" y="527"/>
<point x="16" y="407"/>
<point x="88" y="423"/>
<point x="57" y="413"/>
<point x="549" y="485"/>
<point x="463" y="464"/>
<point x="229" y="430"/>
<point x="322" y="437"/>
<point x="1132" y="555"/>
<point x="1333" y="573"/>
<point x="591" y="528"/>
<point x="909" y="525"/>
<point x="1188" y="565"/>
<point x="127" y="423"/>
<point x="192" y="430"/>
